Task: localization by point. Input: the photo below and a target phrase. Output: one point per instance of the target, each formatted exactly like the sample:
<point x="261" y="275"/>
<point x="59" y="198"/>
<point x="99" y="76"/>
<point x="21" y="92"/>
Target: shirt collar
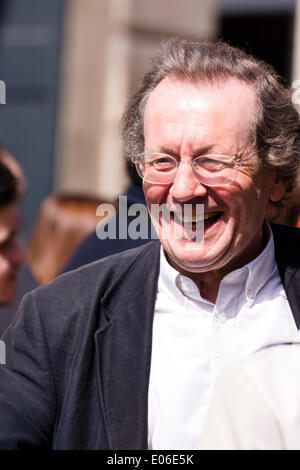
<point x="256" y="273"/>
<point x="168" y="277"/>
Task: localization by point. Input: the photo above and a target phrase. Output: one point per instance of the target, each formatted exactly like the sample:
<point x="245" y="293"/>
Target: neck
<point x="208" y="284"/>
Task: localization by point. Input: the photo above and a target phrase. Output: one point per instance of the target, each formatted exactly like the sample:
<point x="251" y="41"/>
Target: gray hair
<point x="276" y="124"/>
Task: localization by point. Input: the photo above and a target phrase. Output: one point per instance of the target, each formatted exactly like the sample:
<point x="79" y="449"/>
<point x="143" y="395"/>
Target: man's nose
<point x="185" y="185"/>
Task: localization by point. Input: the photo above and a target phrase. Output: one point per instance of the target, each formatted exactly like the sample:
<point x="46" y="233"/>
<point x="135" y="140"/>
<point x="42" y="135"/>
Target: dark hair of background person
<point x="63" y="221"/>
<point x="276" y="127"/>
<point x="9" y="160"/>
<point x="8" y="186"/>
<point x="14" y="191"/>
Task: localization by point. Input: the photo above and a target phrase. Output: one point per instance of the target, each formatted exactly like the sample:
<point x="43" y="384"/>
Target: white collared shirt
<point x="193" y="339"/>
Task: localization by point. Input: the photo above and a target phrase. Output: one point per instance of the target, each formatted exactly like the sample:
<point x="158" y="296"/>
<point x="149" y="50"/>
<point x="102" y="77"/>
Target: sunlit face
<point x="11" y="254"/>
<point x="186" y="120"/>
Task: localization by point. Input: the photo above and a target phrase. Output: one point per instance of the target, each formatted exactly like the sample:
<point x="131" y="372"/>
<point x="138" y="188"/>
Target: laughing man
<point x="124" y="353"/>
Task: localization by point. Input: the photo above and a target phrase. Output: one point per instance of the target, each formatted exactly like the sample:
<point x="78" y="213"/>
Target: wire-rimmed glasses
<point x="210" y="170"/>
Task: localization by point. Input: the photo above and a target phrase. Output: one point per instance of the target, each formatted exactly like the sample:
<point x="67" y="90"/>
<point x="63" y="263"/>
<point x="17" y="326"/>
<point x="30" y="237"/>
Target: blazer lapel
<point x="123" y="346"/>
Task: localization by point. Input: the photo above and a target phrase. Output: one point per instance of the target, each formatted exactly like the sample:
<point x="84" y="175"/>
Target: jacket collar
<point x="123" y="345"/>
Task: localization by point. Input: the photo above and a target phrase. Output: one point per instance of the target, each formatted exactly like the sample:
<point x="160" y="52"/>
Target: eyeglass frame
<point x="237" y="165"/>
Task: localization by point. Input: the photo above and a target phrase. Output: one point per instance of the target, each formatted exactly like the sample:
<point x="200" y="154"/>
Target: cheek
<point x="155" y="194"/>
<point x="246" y="211"/>
<point x="243" y="198"/>
<point x="230" y="199"/>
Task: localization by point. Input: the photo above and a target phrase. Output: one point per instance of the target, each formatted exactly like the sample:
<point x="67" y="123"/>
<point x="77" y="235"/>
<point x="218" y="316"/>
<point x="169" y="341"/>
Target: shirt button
<point x="186" y="285"/>
<point x="250" y="294"/>
<point x="221" y="317"/>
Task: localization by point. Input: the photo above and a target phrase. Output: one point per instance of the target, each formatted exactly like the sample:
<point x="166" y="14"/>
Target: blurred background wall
<point x="107" y="47"/>
<point x="70" y="65"/>
<point x="30" y="44"/>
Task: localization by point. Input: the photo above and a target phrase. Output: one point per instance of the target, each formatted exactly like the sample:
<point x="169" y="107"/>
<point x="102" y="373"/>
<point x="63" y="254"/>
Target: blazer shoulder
<point x="287" y="242"/>
<point x="286" y="231"/>
<point x="72" y="303"/>
<point x="286" y="238"/>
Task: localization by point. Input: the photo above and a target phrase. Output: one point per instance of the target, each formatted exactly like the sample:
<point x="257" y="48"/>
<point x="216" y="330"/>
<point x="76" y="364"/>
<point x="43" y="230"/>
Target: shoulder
<point x="274" y="370"/>
<point x="286" y="241"/>
<point x="279" y="359"/>
<point x="272" y="374"/>
<point x="71" y="303"/>
<point x="285" y="232"/>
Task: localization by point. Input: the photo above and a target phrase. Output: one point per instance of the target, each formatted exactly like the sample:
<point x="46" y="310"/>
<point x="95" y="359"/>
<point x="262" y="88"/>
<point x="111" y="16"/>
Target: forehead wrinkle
<point x="183" y="127"/>
<point x="190" y="144"/>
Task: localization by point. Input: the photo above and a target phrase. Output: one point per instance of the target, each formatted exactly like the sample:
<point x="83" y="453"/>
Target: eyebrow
<point x="205" y="149"/>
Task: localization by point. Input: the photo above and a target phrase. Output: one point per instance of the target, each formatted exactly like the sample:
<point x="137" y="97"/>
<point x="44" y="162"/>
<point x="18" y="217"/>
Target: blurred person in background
<point x="289" y="212"/>
<point x="11" y="253"/>
<point x="92" y="248"/>
<point x="63" y="221"/>
<point x="15" y="168"/>
<point x="25" y="281"/>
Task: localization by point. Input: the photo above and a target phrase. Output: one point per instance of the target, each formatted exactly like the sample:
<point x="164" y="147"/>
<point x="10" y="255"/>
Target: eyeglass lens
<point x="213" y="170"/>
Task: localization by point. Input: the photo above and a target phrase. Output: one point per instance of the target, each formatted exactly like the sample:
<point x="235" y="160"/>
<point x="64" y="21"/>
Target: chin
<point x="188" y="260"/>
<point x="192" y="258"/>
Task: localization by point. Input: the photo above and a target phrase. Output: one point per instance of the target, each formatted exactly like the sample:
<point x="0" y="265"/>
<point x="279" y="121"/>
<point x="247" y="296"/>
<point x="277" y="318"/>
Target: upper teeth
<point x="186" y="218"/>
<point x="212" y="214"/>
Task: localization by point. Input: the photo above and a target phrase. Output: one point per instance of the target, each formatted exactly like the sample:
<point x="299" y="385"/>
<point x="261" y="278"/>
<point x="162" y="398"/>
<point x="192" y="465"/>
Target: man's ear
<point x="278" y="190"/>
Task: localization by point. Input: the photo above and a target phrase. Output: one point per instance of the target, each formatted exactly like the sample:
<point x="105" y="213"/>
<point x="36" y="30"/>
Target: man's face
<point x="11" y="254"/>
<point x="186" y="120"/>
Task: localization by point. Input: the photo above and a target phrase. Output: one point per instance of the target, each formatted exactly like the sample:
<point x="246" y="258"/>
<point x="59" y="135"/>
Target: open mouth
<point x="196" y="220"/>
<point x="211" y="219"/>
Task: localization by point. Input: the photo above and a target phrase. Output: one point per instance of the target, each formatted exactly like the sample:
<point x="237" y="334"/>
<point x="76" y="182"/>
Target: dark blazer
<point x="78" y="352"/>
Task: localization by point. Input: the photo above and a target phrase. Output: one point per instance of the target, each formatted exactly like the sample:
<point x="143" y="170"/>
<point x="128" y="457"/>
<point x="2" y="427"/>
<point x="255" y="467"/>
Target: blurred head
<point x="11" y="253"/>
<point x="63" y="221"/>
<point x="209" y="99"/>
<point x="15" y="168"/>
